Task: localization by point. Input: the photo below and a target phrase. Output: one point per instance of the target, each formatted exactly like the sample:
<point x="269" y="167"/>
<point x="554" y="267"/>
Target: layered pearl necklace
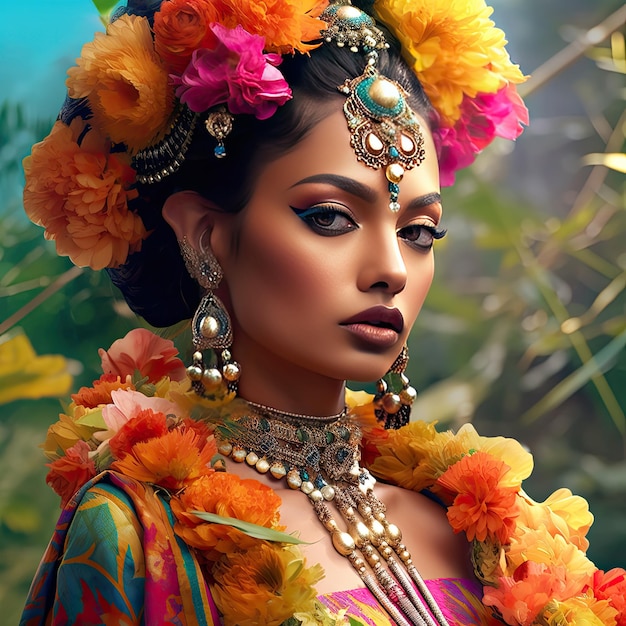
<point x="320" y="457"/>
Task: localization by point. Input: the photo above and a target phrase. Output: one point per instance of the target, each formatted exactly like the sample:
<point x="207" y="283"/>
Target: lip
<point x="381" y="317"/>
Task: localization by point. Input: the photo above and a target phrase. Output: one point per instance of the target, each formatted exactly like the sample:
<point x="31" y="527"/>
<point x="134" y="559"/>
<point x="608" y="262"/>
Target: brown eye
<point x="326" y="220"/>
<point x="421" y="236"/>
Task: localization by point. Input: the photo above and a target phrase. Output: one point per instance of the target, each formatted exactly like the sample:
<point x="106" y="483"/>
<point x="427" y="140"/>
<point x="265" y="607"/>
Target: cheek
<point x="419" y="280"/>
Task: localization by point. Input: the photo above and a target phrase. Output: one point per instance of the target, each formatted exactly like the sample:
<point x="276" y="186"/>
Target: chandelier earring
<point x="394" y="394"/>
<point x="211" y="326"/>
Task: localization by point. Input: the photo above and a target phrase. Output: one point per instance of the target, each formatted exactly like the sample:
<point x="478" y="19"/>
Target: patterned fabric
<point x="457" y="598"/>
<point x="114" y="548"/>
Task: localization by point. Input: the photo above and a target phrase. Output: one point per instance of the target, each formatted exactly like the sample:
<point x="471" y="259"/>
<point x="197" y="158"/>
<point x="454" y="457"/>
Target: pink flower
<point x="142" y="351"/>
<point x="235" y="73"/>
<point x="483" y="118"/>
<point x="128" y="404"/>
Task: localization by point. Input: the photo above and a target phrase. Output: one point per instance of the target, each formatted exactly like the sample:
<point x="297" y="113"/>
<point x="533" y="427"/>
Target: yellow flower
<point x="453" y="46"/>
<point x="267" y="585"/>
<point x="126" y="83"/>
<point x="539" y="546"/>
<point x="579" y="611"/>
<point x="68" y="430"/>
<point x="23" y="374"/>
<point x="562" y="513"/>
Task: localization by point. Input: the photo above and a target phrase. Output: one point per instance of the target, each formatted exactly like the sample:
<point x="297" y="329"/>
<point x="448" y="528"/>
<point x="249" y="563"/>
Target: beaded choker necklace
<point x="320" y="457"/>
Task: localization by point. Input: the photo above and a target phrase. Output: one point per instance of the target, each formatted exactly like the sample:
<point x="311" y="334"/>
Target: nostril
<point x="380" y="285"/>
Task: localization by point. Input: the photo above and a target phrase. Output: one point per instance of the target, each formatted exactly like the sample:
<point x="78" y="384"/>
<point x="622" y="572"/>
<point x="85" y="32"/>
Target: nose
<point x="383" y="267"/>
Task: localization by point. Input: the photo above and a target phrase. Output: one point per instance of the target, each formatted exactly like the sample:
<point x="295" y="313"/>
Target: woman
<point x="295" y="157"/>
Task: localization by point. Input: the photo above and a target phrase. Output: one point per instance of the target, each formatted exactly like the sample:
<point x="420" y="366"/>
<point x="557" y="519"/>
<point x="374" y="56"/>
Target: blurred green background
<point x="525" y="327"/>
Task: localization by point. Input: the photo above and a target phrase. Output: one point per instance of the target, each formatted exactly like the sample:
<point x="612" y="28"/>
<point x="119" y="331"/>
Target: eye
<point x="326" y="220"/>
<point x="421" y="236"/>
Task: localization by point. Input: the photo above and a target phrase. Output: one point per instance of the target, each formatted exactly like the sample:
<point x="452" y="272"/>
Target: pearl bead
<point x="407" y="396"/>
<point x="307" y="487"/>
<point x="384" y="93"/>
<point x="328" y="492"/>
<point x="394" y="172"/>
<point x="232" y="371"/>
<point x="194" y="372"/>
<point x="238" y="455"/>
<point x="209" y="327"/>
<point x="262" y="466"/>
<point x="225" y="448"/>
<point x="343" y="543"/>
<point x="393" y="534"/>
<point x="211" y="378"/>
<point x="277" y="470"/>
<point x="293" y="479"/>
<point x="316" y="495"/>
<point x="252" y="458"/>
<point x="391" y="403"/>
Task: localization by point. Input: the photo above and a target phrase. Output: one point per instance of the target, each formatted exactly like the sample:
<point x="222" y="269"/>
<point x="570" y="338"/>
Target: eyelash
<point x="309" y="215"/>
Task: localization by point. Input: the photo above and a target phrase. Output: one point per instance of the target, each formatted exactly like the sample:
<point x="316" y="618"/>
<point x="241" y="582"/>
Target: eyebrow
<point x="365" y="192"/>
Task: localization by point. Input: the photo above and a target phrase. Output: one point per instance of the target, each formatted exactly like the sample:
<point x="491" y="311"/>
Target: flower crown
<point x="138" y="90"/>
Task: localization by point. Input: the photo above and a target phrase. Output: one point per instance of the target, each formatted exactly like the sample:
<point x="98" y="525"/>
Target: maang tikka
<point x="384" y="131"/>
<point x="211" y="327"/>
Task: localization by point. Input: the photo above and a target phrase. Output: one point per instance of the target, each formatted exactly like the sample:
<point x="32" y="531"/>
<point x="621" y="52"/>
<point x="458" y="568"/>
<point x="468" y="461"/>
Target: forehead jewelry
<point x="384" y="131"/>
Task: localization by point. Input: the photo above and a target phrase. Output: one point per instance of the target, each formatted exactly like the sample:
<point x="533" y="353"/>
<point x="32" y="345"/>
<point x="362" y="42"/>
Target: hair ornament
<point x="219" y="123"/>
<point x="139" y="90"/>
<point x="384" y="131"/>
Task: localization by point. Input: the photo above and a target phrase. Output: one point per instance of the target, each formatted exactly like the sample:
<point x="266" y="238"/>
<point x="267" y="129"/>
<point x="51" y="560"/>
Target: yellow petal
<point x="23" y="374"/>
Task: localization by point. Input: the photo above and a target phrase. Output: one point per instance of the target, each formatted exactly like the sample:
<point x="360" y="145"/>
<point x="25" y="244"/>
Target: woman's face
<point x="323" y="277"/>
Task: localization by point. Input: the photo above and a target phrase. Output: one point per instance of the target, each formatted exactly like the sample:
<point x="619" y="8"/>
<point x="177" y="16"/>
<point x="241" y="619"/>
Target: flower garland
<point x="135" y="420"/>
<point x="130" y="82"/>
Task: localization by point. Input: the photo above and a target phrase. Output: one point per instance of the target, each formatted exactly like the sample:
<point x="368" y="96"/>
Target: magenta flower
<point x="483" y="118"/>
<point x="235" y="73"/>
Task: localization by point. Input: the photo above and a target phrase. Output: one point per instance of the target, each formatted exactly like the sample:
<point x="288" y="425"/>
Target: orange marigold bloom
<point x="611" y="586"/>
<point x="146" y="425"/>
<point x="229" y="496"/>
<point x="126" y="83"/>
<point x="144" y="352"/>
<point x="182" y="26"/>
<point x="482" y="507"/>
<point x="265" y="585"/>
<point x="172" y="461"/>
<point x="100" y="393"/>
<point x="70" y="472"/>
<point x="80" y="194"/>
<point x="520" y="598"/>
<point x="287" y="25"/>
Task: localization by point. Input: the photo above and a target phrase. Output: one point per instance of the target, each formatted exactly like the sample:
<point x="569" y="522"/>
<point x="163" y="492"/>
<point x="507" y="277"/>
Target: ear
<point x="191" y="216"/>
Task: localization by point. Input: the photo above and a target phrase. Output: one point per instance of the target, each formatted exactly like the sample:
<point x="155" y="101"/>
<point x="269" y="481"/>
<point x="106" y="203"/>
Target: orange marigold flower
<point x="520" y="598"/>
<point x="611" y="586"/>
<point x="229" y="496"/>
<point x="70" y="472"/>
<point x="146" y="425"/>
<point x="80" y="194"/>
<point x="100" y="393"/>
<point x="482" y="507"/>
<point x="267" y="585"/>
<point x="144" y="352"/>
<point x="287" y="25"/>
<point x="182" y="26"/>
<point x="126" y="83"/>
<point x="172" y="461"/>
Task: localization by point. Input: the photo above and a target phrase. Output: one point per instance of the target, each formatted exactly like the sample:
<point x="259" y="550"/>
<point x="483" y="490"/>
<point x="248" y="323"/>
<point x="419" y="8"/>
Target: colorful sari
<point x="114" y="559"/>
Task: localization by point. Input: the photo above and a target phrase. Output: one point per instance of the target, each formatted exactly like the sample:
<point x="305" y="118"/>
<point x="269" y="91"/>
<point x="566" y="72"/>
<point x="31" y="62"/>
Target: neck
<point x="273" y="382"/>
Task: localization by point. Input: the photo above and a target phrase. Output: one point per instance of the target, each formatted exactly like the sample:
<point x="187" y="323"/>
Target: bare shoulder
<point x="436" y="550"/>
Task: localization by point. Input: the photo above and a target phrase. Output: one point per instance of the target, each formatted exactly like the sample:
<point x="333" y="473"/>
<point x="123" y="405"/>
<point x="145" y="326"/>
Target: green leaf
<point x="252" y="530"/>
<point x="105" y="6"/>
<point x="592" y="368"/>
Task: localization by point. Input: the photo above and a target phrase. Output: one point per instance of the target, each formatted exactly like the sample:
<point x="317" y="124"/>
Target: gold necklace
<point x="320" y="457"/>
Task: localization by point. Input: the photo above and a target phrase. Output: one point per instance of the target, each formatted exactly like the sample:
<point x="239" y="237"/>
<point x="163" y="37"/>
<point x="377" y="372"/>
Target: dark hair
<point x="154" y="281"/>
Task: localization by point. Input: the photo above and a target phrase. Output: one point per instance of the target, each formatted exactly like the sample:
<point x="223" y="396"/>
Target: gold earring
<point x="211" y="326"/>
<point x="394" y="394"/>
